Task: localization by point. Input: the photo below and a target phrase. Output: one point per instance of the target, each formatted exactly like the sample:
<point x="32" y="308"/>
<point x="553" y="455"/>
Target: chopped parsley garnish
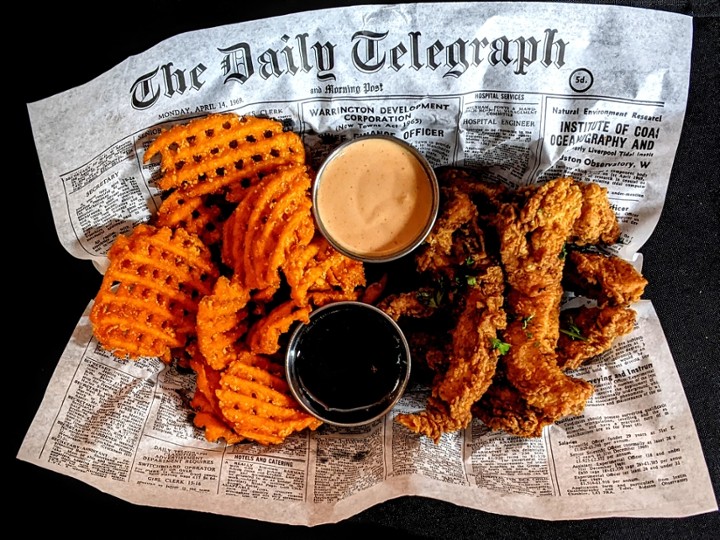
<point x="431" y="299"/>
<point x="573" y="332"/>
<point x="563" y="252"/>
<point x="526" y="321"/>
<point x="500" y="346"/>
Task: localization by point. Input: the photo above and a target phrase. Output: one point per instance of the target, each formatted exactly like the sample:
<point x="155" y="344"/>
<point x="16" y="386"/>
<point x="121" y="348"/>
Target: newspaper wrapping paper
<point x="522" y="92"/>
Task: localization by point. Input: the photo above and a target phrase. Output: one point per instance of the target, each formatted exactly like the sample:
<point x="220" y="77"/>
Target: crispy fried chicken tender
<point x="597" y="223"/>
<point x="455" y="237"/>
<point x="406" y="304"/>
<point x="532" y="240"/>
<point x="471" y="361"/>
<point x="533" y="235"/>
<point x="597" y="327"/>
<point x="462" y="284"/>
<point x="502" y="408"/>
<point x="610" y="280"/>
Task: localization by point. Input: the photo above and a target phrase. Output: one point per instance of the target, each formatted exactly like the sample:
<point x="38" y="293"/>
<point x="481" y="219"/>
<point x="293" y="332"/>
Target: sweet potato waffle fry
<point x="255" y="400"/>
<point x="318" y="274"/>
<point x="206" y="281"/>
<point x="221" y="149"/>
<point x="271" y="220"/>
<point x="149" y="295"/>
<point x="264" y="336"/>
<point x="248" y="400"/>
<point x="222" y="322"/>
<point x="196" y="214"/>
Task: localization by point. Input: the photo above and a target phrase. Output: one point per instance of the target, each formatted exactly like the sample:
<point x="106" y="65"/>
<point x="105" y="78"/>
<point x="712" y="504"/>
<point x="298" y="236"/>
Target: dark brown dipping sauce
<point x="350" y="364"/>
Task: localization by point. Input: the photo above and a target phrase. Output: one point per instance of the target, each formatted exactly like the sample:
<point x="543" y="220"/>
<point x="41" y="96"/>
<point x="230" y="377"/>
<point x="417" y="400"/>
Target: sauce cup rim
<point x="434" y="210"/>
<point x="295" y="384"/>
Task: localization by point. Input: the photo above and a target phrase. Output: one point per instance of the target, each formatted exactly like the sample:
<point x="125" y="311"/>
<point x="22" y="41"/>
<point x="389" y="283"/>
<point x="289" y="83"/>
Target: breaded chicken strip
<point x="532" y="239"/>
<point x="592" y="331"/>
<point x="471" y="360"/>
<point x="502" y="408"/>
<point x="486" y="195"/>
<point x="406" y="304"/>
<point x="597" y="223"/>
<point x="610" y="280"/>
<point x="533" y="234"/>
<point x="540" y="380"/>
<point x="455" y="236"/>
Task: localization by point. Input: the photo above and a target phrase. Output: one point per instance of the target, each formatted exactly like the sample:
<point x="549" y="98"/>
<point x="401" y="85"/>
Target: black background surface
<point x="52" y="49"/>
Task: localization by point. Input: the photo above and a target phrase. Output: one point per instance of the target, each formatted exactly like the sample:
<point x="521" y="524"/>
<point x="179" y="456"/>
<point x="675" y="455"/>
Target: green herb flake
<point x="526" y="321"/>
<point x="425" y="298"/>
<point x="563" y="252"/>
<point x="573" y="332"/>
<point x="500" y="346"/>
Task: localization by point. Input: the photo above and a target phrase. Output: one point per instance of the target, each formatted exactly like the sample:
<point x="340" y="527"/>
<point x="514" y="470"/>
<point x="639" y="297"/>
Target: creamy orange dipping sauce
<point x="374" y="198"/>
